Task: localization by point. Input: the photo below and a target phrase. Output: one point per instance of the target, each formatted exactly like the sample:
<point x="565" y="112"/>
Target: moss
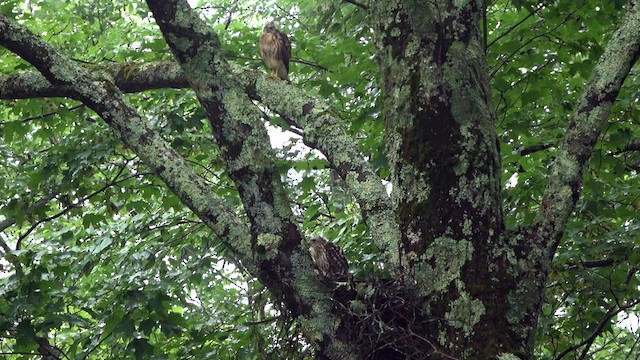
<point x="270" y="244"/>
<point x="442" y="338"/>
<point x="465" y="312"/>
<point x="414" y="184"/>
<point x="442" y="263"/>
<point x="467" y="227"/>
<point x="130" y="69"/>
<point x="567" y="166"/>
<point x="507" y="356"/>
<point x="265" y="216"/>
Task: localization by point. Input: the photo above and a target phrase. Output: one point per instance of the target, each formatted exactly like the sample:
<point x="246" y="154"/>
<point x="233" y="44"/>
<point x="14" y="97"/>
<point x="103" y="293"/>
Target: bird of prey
<point x="329" y="259"/>
<point x="275" y="50"/>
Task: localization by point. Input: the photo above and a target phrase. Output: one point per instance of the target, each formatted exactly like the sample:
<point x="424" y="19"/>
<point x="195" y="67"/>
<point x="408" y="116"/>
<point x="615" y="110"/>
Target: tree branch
<point x="6" y="223"/>
<point x="514" y="26"/>
<point x="587" y="342"/>
<point x="105" y="99"/>
<point x="565" y="179"/>
<point x="236" y="121"/>
<point x="506" y="59"/>
<point x="98" y="93"/>
<point x="240" y="134"/>
<point x="534" y="149"/>
<point x="242" y="137"/>
<point x="358" y="4"/>
<point x="77" y="204"/>
<point x="129" y="78"/>
<point x="634" y="146"/>
<point x="593" y="264"/>
<point x="5" y="247"/>
<point x="325" y="130"/>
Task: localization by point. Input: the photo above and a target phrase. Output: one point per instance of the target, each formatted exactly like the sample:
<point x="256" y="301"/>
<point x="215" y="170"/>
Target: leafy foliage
<point x="538" y="68"/>
<point x="103" y="260"/>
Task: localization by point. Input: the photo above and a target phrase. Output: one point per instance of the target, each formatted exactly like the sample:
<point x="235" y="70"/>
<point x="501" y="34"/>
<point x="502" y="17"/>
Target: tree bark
<point x="461" y="286"/>
<point x="442" y="146"/>
<point x="446" y="172"/>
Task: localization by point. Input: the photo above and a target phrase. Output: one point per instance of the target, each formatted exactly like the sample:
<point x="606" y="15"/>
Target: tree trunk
<point x="461" y="285"/>
<point x="444" y="157"/>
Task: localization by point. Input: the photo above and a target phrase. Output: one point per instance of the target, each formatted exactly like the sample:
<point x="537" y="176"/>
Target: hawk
<point x="329" y="259"/>
<point x="275" y="50"/>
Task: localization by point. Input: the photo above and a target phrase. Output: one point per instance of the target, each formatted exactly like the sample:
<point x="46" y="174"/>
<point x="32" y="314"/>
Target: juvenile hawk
<point x="275" y="50"/>
<point x="329" y="259"/>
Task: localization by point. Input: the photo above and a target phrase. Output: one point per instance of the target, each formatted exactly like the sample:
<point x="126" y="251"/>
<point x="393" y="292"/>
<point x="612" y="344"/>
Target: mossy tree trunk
<point x="461" y="285"/>
<point x="480" y="286"/>
<point x="443" y="149"/>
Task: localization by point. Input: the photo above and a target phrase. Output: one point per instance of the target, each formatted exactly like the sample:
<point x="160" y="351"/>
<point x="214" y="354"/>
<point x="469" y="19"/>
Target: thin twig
<point x="516" y="25"/>
<point x="360" y="5"/>
<point x="11" y="221"/>
<point x="613" y="311"/>
<point x="77" y="204"/>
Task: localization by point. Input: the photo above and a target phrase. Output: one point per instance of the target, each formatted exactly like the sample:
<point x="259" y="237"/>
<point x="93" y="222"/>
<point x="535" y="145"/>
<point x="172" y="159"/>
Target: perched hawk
<point x="275" y="50"/>
<point x="329" y="259"/>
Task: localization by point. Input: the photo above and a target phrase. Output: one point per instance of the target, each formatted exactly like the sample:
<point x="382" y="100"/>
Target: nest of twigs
<point x="387" y="320"/>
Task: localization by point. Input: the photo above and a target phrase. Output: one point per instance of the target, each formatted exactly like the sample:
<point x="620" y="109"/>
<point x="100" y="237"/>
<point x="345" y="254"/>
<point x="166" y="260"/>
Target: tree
<point x="478" y="163"/>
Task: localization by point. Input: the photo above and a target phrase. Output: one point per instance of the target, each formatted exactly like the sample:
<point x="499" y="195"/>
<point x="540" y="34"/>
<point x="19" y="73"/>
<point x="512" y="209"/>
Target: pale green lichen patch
<point x="467" y="227"/>
<point x="413" y="47"/>
<point x="465" y="313"/>
<point x="321" y="322"/>
<point x="442" y="338"/>
<point x="507" y="356"/>
<point x="504" y="249"/>
<point x="304" y="278"/>
<point x="238" y="235"/>
<point x="384" y="233"/>
<point x="468" y="192"/>
<point x="462" y="165"/>
<point x="460" y="3"/>
<point x="369" y="189"/>
<point x="447" y="256"/>
<point x="270" y="243"/>
<point x="567" y="166"/>
<point x="414" y="185"/>
<point x="237" y="104"/>
<point x="264" y="216"/>
<point x="272" y="92"/>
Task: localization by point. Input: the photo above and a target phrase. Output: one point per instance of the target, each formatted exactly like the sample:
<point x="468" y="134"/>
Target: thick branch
<point x="534" y="149"/>
<point x="129" y="78"/>
<point x="324" y="129"/>
<point x="592" y="112"/>
<point x="236" y="122"/>
<point x="633" y="146"/>
<point x="106" y="100"/>
<point x="356" y="3"/>
<point x="242" y="137"/>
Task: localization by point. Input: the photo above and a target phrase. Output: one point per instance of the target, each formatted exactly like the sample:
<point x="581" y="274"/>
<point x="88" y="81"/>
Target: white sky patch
<point x="280" y="138"/>
<point x="629" y="321"/>
<point x="512" y="182"/>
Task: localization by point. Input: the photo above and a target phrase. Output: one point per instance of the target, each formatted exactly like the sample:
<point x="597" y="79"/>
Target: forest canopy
<point x="158" y="191"/>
